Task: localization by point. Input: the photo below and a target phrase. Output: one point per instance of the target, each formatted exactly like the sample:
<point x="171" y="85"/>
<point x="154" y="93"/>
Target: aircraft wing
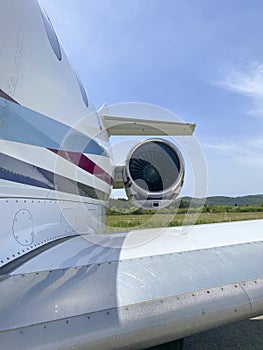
<point x="134" y="290"/>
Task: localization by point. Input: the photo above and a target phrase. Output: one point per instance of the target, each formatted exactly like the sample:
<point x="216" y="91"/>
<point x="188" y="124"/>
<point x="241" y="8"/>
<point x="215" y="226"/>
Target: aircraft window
<point x="83" y="92"/>
<point x="51" y="35"/>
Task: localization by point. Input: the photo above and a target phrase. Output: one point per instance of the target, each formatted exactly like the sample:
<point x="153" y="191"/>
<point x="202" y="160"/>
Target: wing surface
<point x="137" y="289"/>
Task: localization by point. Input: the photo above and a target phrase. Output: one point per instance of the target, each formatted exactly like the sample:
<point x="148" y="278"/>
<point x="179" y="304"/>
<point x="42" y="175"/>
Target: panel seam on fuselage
<point x="8" y="268"/>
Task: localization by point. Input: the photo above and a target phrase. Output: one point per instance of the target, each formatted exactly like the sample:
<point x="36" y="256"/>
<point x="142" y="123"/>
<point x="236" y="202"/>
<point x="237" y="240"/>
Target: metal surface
<point x="133" y="326"/>
<point x="131" y="303"/>
<point x="141" y="279"/>
<point x="138" y="244"/>
<point x="117" y="125"/>
<point x="21" y="233"/>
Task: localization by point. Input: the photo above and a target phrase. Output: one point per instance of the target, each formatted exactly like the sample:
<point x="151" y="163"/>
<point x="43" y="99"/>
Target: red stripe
<point x="78" y="159"/>
<point x="7" y="97"/>
<point x="84" y="163"/>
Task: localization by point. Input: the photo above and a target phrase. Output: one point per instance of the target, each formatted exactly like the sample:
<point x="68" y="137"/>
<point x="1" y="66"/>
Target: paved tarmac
<point x="244" y="335"/>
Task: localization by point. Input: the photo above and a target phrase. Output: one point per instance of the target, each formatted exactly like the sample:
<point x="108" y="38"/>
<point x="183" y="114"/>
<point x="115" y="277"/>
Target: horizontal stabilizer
<point x="117" y="125"/>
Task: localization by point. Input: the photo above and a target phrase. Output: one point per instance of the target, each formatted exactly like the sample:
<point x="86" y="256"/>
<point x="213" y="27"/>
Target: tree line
<point x="181" y="206"/>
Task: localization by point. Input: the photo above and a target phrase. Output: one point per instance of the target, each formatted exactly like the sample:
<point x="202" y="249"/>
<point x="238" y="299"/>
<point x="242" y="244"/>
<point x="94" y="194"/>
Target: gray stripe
<point x="23" y="125"/>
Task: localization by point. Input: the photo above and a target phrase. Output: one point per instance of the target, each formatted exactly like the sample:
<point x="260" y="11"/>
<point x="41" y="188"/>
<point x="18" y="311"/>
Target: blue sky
<point x="203" y="60"/>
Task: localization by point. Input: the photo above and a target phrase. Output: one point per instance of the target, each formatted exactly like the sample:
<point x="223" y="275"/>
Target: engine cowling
<point x="153" y="174"/>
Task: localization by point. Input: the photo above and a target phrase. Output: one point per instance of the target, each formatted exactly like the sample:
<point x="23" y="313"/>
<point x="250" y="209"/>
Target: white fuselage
<point x="55" y="168"/>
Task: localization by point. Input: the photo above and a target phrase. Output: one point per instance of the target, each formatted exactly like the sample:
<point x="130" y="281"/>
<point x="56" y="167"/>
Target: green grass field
<point x="126" y="222"/>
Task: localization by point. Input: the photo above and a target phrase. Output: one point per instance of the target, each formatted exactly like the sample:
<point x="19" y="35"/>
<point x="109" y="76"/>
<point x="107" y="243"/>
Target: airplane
<point x="64" y="282"/>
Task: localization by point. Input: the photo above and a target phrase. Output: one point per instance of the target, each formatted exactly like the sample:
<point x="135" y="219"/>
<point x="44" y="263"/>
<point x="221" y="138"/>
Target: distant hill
<point x="250" y="200"/>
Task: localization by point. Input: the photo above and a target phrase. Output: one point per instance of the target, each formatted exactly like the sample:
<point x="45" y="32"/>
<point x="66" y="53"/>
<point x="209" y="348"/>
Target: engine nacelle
<point x="153" y="174"/>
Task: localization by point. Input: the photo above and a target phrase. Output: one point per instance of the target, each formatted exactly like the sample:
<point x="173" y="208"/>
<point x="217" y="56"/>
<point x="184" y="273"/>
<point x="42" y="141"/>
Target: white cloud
<point x="247" y="81"/>
<point x="235" y="168"/>
<point x="249" y="152"/>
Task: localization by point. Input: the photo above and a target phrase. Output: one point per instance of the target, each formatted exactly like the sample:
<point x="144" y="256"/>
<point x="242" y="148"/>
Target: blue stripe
<point x="23" y="125"/>
<point x="15" y="170"/>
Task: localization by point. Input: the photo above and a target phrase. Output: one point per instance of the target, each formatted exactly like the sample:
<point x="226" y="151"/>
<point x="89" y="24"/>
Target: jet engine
<point x="153" y="174"/>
